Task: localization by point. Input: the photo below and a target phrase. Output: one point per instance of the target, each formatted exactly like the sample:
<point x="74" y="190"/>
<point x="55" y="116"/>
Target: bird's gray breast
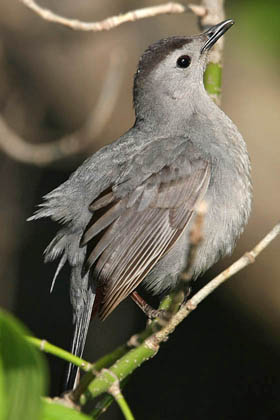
<point x="228" y="197"/>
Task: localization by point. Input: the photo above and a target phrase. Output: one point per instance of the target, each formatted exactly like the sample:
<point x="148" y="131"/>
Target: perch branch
<point x="110" y="22"/>
<point x="43" y="154"/>
<point x="120" y="351"/>
<point x="135" y="357"/>
<point x="191" y="304"/>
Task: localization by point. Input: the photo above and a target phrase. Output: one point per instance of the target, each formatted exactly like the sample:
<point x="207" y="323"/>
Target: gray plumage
<point x="127" y="210"/>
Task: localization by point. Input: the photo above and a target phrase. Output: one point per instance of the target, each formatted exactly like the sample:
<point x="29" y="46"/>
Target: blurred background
<point x="223" y="362"/>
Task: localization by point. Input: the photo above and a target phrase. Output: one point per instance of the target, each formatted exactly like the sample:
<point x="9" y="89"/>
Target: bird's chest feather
<point x="228" y="202"/>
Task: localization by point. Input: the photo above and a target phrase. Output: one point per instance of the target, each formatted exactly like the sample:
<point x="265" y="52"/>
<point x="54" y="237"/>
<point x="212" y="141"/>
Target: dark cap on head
<point x="157" y="52"/>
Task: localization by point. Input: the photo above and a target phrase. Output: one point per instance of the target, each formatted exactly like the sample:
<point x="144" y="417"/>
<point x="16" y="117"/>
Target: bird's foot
<point x="148" y="310"/>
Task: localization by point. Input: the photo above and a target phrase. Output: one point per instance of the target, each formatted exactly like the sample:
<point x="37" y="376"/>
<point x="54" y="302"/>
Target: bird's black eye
<point x="184" y="61"/>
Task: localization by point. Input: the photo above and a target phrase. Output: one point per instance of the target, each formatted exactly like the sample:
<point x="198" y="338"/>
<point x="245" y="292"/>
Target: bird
<point x="125" y="214"/>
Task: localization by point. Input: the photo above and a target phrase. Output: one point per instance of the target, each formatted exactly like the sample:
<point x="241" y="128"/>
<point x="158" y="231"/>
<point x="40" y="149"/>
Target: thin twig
<point x="43" y="154"/>
<point x="115" y="391"/>
<point x="191" y="304"/>
<point x="47" y="347"/>
<point x="110" y="22"/>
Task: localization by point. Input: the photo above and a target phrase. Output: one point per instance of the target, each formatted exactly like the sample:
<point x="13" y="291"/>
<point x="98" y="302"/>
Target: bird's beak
<point x="214" y="33"/>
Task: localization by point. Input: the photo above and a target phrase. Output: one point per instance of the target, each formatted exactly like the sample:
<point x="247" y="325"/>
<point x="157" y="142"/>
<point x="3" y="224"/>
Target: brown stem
<point x="108" y="23"/>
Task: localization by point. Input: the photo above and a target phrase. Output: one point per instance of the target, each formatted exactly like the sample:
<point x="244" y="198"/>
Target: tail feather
<point x="82" y="304"/>
<point x="82" y="294"/>
<point x="59" y="268"/>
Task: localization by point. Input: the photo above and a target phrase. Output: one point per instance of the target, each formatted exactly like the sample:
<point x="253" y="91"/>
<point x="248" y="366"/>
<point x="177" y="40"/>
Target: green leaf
<point x="53" y="411"/>
<point x="22" y="373"/>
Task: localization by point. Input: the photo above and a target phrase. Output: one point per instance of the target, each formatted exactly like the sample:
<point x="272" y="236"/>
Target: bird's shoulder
<point x="163" y="159"/>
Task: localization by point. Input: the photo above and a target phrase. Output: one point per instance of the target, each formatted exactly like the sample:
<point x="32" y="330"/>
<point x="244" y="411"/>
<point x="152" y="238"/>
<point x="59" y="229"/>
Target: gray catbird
<point x="126" y="210"/>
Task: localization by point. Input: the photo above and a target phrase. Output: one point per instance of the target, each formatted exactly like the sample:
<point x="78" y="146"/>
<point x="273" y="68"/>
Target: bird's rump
<point x="135" y="231"/>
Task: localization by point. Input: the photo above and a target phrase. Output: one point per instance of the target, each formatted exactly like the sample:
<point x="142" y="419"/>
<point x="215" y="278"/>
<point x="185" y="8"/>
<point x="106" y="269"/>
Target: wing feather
<point x="134" y="256"/>
<point x="141" y="227"/>
<point x="117" y="294"/>
<point x="101" y="202"/>
<point x="104" y="221"/>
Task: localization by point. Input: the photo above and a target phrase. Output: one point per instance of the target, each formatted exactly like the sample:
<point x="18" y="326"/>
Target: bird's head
<point x="171" y="71"/>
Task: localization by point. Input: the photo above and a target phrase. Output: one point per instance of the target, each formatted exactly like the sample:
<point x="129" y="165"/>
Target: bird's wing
<point x="136" y="230"/>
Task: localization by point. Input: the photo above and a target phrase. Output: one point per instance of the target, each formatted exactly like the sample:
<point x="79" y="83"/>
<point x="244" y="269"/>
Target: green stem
<point x="126" y="364"/>
<point x="105" y="403"/>
<point x="120" y="370"/>
<point x="213" y="81"/>
<point x="120" y="400"/>
<point x="47" y="347"/>
<point x="103" y="362"/>
<point x="112" y="357"/>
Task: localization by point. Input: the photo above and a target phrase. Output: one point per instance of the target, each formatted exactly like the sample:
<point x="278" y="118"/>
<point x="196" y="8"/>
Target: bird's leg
<point x="187" y="293"/>
<point x="146" y="308"/>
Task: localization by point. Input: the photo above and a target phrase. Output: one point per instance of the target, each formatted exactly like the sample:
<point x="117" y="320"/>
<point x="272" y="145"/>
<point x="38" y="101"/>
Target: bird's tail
<point x="82" y="297"/>
<point x="82" y="294"/>
<point x="66" y="246"/>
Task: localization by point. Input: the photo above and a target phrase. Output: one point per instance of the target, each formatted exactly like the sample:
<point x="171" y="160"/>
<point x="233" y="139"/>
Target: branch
<point x="47" y="347"/>
<point x="115" y="391"/>
<point x="120" y="351"/>
<point x="102" y="363"/>
<point x="136" y="357"/>
<point x="209" y="13"/>
<point x="109" y="23"/>
<point x="190" y="305"/>
<point x="103" y="404"/>
<point x="43" y="154"/>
